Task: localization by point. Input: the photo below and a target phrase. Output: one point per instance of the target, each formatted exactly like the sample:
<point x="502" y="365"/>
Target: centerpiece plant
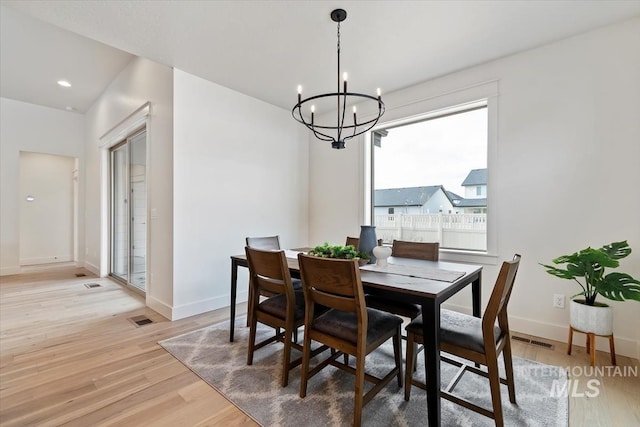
<point x="328" y="250"/>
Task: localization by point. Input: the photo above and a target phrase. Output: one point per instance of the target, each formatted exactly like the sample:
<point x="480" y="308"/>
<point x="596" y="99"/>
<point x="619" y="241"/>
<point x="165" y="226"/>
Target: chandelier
<point x="340" y="132"/>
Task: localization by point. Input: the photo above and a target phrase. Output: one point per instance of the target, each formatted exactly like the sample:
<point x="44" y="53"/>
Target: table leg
<point x="476" y="299"/>
<point x="476" y="291"/>
<point x="234" y="290"/>
<point x="430" y="328"/>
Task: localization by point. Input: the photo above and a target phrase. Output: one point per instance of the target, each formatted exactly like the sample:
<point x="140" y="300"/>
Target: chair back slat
<point x="416" y="250"/>
<point x="355" y="241"/>
<point x="497" y="306"/>
<point x="334" y="283"/>
<point x="269" y="271"/>
<point x="268" y="242"/>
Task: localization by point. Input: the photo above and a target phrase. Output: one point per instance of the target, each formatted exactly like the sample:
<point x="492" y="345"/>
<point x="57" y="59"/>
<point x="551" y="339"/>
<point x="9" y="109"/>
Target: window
<point x="429" y="178"/>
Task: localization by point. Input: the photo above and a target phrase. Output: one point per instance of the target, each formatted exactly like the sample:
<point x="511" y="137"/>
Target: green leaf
<point x="619" y="287"/>
<point x="617" y="250"/>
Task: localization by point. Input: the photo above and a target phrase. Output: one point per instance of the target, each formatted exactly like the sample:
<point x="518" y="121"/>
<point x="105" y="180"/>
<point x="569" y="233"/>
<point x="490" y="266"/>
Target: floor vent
<point x="80" y="275"/>
<point x="93" y="285"/>
<point x="140" y="320"/>
<point x="532" y="342"/>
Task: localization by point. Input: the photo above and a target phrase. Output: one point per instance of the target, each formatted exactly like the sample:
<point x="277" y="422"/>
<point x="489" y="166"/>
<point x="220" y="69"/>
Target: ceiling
<point x="266" y="48"/>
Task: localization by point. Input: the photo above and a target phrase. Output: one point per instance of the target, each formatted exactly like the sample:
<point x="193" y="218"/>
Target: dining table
<point x="427" y="283"/>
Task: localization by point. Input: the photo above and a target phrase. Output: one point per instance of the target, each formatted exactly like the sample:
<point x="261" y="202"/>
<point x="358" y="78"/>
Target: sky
<point x="434" y="152"/>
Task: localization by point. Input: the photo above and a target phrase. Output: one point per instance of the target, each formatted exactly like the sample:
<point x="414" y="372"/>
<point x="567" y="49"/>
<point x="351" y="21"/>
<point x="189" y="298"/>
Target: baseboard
<point x="198" y="307"/>
<point x="624" y="346"/>
<point x="159" y="307"/>
<point x="9" y="271"/>
<point x="191" y="309"/>
<point x="31" y="268"/>
<point x="46" y="260"/>
<point x="92" y="268"/>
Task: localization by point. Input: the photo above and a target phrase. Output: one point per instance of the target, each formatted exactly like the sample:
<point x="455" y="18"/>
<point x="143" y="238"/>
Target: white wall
<point x="568" y="148"/>
<point x="140" y="82"/>
<point x="28" y="127"/>
<point x="240" y="169"/>
<point x="46" y="221"/>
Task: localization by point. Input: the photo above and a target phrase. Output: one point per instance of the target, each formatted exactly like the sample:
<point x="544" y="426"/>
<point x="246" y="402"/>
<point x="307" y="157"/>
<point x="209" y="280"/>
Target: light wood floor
<point x="69" y="355"/>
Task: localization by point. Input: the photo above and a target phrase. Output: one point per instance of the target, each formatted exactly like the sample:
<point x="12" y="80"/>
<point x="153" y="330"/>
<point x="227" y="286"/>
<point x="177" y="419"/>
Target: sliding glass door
<point x="129" y="211"/>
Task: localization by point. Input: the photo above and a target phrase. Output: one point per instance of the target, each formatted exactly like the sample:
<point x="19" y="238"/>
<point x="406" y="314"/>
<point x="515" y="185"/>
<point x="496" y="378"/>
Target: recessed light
<point x="64" y="83"/>
<point x="69" y="108"/>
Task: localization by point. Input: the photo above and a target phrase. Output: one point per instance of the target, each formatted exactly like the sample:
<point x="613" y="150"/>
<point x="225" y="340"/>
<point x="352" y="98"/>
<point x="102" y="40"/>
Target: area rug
<point x="256" y="389"/>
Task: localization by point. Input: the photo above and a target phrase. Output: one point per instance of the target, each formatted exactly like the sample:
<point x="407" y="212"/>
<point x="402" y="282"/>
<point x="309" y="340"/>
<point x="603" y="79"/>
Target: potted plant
<point x="587" y="268"/>
<point x="338" y="251"/>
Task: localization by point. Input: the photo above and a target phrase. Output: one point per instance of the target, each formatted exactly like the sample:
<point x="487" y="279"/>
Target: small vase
<point x="595" y="319"/>
<point x="382" y="253"/>
<point x="368" y="240"/>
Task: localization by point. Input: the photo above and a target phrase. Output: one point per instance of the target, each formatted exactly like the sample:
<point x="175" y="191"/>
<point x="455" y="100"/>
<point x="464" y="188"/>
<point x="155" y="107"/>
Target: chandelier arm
<point x="371" y="123"/>
<point x="344" y="110"/>
<point x="362" y="131"/>
<point x="321" y="136"/>
<point x="309" y="126"/>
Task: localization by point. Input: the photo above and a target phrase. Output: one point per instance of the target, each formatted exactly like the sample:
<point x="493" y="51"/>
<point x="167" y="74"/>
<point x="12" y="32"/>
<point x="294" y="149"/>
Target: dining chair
<point x="348" y="327"/>
<point x="428" y="251"/>
<point x="404" y="249"/>
<point x="354" y="241"/>
<point x="267" y="243"/>
<point x="269" y="274"/>
<point x="478" y="340"/>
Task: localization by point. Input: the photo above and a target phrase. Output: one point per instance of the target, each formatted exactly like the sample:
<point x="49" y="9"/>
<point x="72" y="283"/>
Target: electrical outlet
<point x="558" y="300"/>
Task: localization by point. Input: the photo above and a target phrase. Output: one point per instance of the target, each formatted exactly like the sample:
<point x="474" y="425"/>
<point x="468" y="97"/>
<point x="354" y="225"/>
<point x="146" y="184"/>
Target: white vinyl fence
<point x="454" y="231"/>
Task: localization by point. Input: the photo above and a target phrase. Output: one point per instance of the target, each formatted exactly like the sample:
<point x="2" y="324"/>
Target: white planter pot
<point x="381" y="253"/>
<point x="593" y="319"/>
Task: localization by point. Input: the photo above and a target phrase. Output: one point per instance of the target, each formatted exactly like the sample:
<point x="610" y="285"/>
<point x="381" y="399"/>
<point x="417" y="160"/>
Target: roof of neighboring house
<point x="408" y="196"/>
<point x="476" y="177"/>
<point x="453" y="198"/>
<point x="472" y="203"/>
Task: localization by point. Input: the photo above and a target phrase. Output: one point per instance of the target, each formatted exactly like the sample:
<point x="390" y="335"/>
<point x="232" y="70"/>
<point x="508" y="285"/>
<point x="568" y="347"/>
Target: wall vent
<point x="92" y="285"/>
<point x="542" y="344"/>
<point x="80" y="275"/>
<point x="532" y="342"/>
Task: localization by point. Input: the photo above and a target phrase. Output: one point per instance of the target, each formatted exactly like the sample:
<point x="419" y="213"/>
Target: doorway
<point x="128" y="213"/>
<point x="48" y="204"/>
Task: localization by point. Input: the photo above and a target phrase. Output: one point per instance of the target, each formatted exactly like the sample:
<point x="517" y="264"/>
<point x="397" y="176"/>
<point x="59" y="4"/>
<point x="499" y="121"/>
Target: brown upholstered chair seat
<point x="458" y="329"/>
<point x="344" y="325"/>
<point x="277" y="305"/>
